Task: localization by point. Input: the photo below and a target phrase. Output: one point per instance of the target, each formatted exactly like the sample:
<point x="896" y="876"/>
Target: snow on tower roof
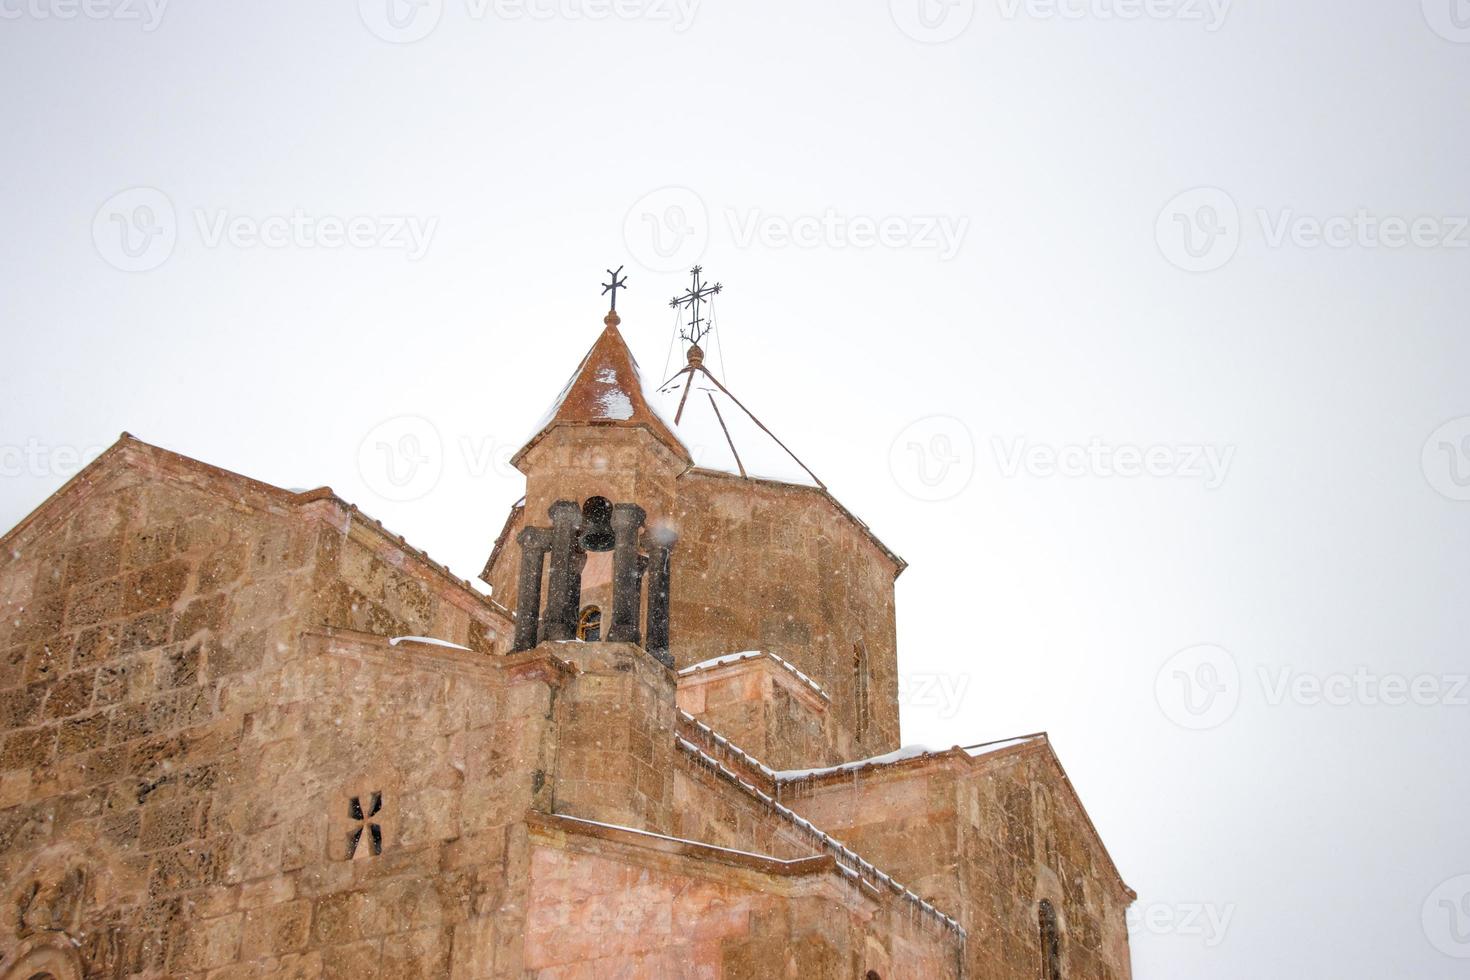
<point x="607" y="389"/>
<point x="692" y="413"/>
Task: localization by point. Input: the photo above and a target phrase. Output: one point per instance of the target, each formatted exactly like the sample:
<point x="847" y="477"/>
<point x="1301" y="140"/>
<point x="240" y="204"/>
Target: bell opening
<point x="597" y="533"/>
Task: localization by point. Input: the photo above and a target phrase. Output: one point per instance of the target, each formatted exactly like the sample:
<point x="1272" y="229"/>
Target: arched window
<point x="589" y="625"/>
<point x="1051" y="942"/>
<point x="860" y="688"/>
<point x="872" y="975"/>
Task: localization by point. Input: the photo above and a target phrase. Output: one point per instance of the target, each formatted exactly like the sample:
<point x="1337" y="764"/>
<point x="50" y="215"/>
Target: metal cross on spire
<point x="698" y="293"/>
<point x="617" y="282"/>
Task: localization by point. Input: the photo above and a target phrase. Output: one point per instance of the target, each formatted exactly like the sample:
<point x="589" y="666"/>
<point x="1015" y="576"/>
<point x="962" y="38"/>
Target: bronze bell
<point x="597" y="532"/>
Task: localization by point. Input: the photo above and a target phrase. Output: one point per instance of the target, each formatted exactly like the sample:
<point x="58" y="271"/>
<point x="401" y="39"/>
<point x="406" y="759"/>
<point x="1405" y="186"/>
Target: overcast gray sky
<point x="1137" y="326"/>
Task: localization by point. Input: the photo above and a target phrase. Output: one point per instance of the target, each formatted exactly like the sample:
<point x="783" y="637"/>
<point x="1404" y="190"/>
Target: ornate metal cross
<point x="698" y="293"/>
<point x="618" y="282"/>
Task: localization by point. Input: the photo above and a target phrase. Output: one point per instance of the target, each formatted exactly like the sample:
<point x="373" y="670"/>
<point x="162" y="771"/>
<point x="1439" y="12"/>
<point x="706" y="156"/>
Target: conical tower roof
<point x="607" y="389"/>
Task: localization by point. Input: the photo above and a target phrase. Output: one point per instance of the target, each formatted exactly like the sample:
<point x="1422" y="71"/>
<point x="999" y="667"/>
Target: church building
<point x="250" y="732"/>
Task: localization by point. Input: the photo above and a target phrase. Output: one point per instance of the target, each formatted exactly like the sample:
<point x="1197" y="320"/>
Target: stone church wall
<point x="769" y="567"/>
<point x="180" y="745"/>
<point x="217" y="763"/>
<point x="765" y="709"/>
<point x="138" y="636"/>
<point x="617" y="905"/>
<point x="1025" y="839"/>
<point x="991" y="839"/>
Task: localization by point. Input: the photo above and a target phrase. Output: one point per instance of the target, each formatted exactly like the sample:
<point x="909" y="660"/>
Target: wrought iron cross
<point x="618" y="282"/>
<point x="698" y="293"/>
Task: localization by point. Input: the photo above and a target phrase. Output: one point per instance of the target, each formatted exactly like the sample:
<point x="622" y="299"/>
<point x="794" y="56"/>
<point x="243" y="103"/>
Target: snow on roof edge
<point x="731" y="658"/>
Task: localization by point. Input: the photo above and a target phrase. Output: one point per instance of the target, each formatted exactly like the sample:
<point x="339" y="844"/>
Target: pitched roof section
<point x="721" y="433"/>
<point x="130" y="452"/>
<point x="693" y="414"/>
<point x="607" y="389"/>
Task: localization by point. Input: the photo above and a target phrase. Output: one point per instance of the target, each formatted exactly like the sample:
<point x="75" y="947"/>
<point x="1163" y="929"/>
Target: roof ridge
<point x="116" y="454"/>
<point x="727" y="659"/>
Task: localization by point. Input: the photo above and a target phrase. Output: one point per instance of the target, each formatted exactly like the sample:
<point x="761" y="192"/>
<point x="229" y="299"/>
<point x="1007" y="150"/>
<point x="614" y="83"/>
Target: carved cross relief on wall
<point x="362" y="812"/>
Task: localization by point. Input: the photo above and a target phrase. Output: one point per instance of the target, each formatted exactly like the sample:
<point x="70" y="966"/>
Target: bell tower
<point x="670" y="517"/>
<point x="640" y="563"/>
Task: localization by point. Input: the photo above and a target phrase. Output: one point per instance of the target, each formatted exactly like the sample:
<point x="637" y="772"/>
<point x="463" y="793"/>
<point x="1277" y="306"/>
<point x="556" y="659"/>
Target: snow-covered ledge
<point x="747" y="657"/>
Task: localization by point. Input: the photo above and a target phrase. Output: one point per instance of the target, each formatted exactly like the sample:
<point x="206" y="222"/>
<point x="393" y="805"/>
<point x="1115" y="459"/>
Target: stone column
<point x="565" y="582"/>
<point x="534" y="542"/>
<point x="627" y="520"/>
<point x="658" y="596"/>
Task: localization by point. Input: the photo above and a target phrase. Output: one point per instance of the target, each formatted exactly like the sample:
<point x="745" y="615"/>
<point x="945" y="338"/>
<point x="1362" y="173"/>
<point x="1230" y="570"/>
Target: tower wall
<point x="758" y="566"/>
<point x="767" y="566"/>
<point x="991" y="839"/>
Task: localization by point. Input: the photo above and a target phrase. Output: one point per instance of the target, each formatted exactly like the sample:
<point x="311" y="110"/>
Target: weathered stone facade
<point x="248" y="732"/>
